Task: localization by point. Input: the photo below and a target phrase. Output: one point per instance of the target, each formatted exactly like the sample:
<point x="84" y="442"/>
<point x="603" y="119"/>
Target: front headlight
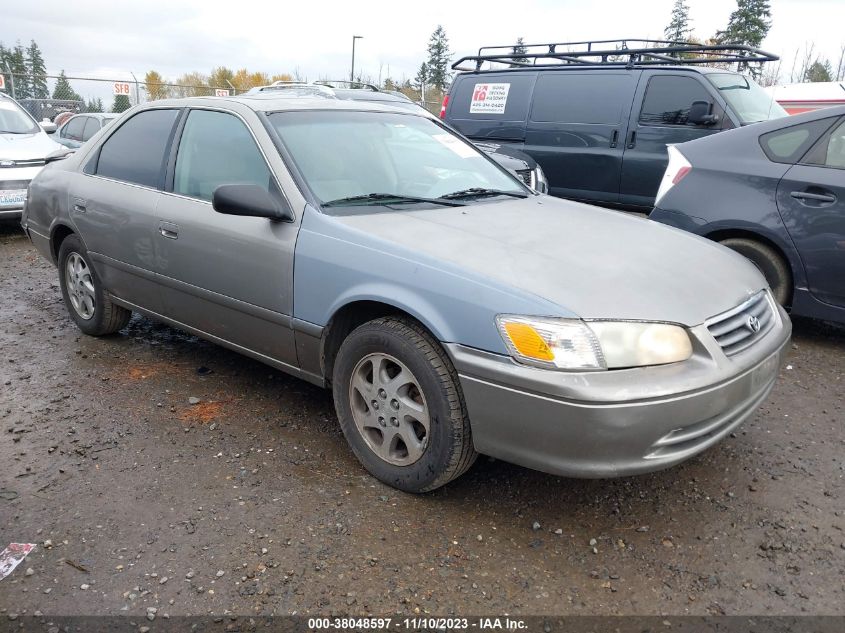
<point x="575" y="344"/>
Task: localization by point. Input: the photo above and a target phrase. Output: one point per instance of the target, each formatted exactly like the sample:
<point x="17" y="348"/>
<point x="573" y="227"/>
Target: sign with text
<point x="2" y="82"/>
<point x="489" y="99"/>
<point x="121" y="88"/>
<point x="221" y="92"/>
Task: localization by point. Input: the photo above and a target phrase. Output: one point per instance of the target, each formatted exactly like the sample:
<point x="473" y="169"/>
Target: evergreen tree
<point x="16" y="61"/>
<point x="748" y="25"/>
<point x="37" y="71"/>
<point x="63" y="89"/>
<point x="439" y="57"/>
<point x="121" y="103"/>
<point x="678" y="29"/>
<point x="95" y="105"/>
<point x="422" y="77"/>
<point x="519" y="49"/>
<point x="819" y="71"/>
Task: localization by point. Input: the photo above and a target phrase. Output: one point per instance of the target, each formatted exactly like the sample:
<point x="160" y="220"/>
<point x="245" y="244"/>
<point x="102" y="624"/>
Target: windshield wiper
<point x="388" y="198"/>
<point x="480" y="192"/>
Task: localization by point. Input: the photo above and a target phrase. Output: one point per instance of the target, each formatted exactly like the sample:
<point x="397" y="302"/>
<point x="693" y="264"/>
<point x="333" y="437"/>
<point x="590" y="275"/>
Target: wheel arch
<point x="58" y="234"/>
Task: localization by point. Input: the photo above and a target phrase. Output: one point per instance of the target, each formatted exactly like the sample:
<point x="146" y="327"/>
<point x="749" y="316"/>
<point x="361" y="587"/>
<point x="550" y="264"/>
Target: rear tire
<point x="769" y="262"/>
<point x="86" y="300"/>
<point x="400" y="405"/>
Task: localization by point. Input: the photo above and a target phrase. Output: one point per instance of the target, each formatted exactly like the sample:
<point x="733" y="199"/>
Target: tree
<point x="748" y="25"/>
<point x="518" y="49"/>
<point x="192" y="84"/>
<point x="37" y="71"/>
<point x="280" y="77"/>
<point x="221" y="77"/>
<point x="63" y="89"/>
<point x="819" y="71"/>
<point x="154" y="85"/>
<point x="94" y="105"/>
<point x="121" y="103"/>
<point x="678" y="29"/>
<point x="244" y="80"/>
<point x="16" y="61"/>
<point x="439" y="57"/>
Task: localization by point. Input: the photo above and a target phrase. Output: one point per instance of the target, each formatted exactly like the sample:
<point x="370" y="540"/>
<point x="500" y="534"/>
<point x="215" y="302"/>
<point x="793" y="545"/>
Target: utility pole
<point x="352" y="71"/>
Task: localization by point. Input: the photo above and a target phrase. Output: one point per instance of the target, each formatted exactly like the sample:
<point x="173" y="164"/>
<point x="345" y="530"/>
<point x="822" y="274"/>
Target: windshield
<point x="748" y="100"/>
<point x="343" y="154"/>
<point x="14" y="119"/>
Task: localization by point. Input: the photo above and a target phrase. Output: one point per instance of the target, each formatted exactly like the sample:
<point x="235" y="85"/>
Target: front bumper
<point x="14" y="179"/>
<point x="621" y="422"/>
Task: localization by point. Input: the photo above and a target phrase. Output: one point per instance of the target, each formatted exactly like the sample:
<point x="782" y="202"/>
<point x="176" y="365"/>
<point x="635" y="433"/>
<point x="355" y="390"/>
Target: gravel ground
<point x="250" y="502"/>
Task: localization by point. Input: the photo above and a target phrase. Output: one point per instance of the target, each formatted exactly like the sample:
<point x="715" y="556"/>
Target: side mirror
<point x="249" y="200"/>
<point x="59" y="154"/>
<point x="700" y="113"/>
<point x="48" y="126"/>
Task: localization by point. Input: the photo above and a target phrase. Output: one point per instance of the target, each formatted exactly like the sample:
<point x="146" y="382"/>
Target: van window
<point x="750" y="102"/>
<point x="135" y="152"/>
<point x="569" y="97"/>
<point x="512" y="92"/>
<point x="668" y="99"/>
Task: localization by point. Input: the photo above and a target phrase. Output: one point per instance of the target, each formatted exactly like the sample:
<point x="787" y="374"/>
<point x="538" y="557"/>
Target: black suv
<point x="597" y="116"/>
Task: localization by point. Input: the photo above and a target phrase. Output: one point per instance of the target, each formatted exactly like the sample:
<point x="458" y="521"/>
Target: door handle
<point x="169" y="230"/>
<point x="816" y="197"/>
<point x="614" y="138"/>
<point x="632" y="140"/>
<point x="79" y="205"/>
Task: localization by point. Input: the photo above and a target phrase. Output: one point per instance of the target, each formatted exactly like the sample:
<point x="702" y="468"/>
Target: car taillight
<point x="676" y="170"/>
<point x="443" y="107"/>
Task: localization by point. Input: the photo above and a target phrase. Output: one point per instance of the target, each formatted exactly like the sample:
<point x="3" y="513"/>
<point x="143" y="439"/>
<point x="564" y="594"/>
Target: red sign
<point x="221" y="92"/>
<point x="2" y="82"/>
<point x="121" y="88"/>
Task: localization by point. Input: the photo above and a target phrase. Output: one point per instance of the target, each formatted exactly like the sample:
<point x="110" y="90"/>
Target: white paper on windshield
<point x="456" y="145"/>
<point x="489" y="99"/>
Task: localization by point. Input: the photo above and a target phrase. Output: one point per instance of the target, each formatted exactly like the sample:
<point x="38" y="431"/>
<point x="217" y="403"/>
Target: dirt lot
<point x="251" y="502"/>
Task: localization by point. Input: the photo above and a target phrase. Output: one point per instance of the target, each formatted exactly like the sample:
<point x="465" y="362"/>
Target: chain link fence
<point x="47" y="96"/>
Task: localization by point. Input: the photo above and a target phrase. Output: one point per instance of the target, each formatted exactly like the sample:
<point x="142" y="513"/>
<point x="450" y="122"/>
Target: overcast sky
<point x="109" y="39"/>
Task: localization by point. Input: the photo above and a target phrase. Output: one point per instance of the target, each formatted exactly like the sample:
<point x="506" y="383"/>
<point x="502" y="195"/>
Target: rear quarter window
<point x="589" y="98"/>
<point x="789" y="144"/>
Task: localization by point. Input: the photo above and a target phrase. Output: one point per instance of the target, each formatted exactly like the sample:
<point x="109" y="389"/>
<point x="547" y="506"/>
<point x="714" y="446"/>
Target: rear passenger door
<point x="576" y="130"/>
<point x="658" y="119"/>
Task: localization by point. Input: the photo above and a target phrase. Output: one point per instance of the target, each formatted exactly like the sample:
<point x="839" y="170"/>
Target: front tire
<point x="400" y="405"/>
<point x="86" y="300"/>
<point x="769" y="262"/>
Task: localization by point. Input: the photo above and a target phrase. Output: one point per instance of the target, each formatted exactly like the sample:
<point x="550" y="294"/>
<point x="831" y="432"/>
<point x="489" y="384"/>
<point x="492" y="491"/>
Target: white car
<point x="24" y="148"/>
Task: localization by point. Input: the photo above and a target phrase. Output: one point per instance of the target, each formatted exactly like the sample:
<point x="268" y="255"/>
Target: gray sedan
<point x="452" y="310"/>
<point x="81" y="127"/>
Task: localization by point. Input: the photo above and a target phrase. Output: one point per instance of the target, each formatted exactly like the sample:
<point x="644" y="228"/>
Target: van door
<point x="576" y="130"/>
<point x="658" y="119"/>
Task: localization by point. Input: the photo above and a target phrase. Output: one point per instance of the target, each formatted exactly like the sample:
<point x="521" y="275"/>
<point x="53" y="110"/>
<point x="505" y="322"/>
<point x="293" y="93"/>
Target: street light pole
<point x="352" y="71"/>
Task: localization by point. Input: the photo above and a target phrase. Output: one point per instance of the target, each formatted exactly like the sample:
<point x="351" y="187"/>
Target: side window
<point x="216" y="149"/>
<point x="74" y="128"/>
<point x="92" y="126"/>
<point x="830" y="151"/>
<point x="570" y="97"/>
<point x="788" y="145"/>
<point x="136" y="151"/>
<point x="668" y="99"/>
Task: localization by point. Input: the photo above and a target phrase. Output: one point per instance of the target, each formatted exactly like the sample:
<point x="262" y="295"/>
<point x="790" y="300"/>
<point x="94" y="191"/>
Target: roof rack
<point x="624" y="52"/>
<point x="346" y="83"/>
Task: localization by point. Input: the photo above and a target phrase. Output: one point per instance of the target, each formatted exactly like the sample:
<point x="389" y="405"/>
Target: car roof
<point x="276" y="102"/>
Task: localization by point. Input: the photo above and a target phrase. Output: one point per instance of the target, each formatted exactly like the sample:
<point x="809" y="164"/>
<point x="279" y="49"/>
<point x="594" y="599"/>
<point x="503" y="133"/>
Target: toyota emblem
<point x="752" y="323"/>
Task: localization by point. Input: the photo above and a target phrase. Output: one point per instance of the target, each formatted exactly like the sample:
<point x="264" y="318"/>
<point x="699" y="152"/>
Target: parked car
<point x="24" y="150"/>
<point x="451" y="309"/>
<point x="774" y="192"/>
<point x="81" y="127"/>
<point x="49" y="109"/>
<point x="61" y="118"/>
<point x="517" y="162"/>
<point x="597" y="116"/>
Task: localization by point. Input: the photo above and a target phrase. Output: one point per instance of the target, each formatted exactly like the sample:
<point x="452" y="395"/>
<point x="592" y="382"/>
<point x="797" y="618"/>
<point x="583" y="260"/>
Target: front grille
<point x="31" y="162"/>
<point x="14" y="184"/>
<point x="525" y="176"/>
<point x="742" y="326"/>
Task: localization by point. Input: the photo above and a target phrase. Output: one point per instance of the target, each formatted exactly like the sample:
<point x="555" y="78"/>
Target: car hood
<point x="597" y="263"/>
<point x="26" y="146"/>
